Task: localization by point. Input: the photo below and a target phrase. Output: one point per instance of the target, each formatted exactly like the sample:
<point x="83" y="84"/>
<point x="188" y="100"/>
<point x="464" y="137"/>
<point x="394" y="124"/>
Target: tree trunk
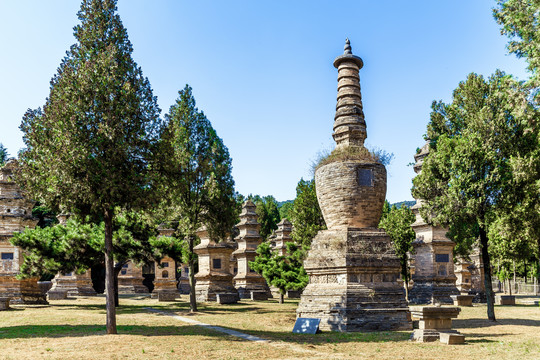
<point x="514" y="284"/>
<point x="281" y="297"/>
<point x="487" y="275"/>
<point x="109" y="273"/>
<point x="192" y="282"/>
<point x="509" y="287"/>
<point x="117" y="269"/>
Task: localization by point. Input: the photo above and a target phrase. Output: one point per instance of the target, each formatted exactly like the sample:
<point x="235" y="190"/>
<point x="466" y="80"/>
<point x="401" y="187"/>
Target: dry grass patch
<point x="75" y="329"/>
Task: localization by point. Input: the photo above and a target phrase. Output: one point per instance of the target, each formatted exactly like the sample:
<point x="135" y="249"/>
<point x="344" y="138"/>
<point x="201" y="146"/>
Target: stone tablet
<point x="306" y="326"/>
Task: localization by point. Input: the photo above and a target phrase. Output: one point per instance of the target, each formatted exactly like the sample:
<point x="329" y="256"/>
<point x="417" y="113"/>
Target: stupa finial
<point x="347" y="49"/>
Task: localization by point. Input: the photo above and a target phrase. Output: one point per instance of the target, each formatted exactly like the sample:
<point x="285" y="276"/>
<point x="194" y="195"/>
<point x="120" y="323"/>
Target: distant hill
<point x="408" y="203"/>
<point x="280" y="203"/>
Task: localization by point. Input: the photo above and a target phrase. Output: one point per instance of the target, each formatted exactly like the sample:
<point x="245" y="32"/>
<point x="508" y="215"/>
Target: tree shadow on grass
<point x="56" y="331"/>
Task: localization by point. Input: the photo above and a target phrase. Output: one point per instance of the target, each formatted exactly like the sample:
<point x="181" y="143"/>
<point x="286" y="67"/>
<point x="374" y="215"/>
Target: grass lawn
<point x="75" y="329"/>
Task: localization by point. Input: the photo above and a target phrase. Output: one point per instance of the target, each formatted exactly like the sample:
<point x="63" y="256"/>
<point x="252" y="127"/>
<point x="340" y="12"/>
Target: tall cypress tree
<point x="194" y="180"/>
<point x="88" y="150"/>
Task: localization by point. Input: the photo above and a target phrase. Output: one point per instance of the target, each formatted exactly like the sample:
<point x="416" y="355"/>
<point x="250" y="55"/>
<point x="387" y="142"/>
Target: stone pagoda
<point x="478" y="288"/>
<point x="247" y="280"/>
<point x="282" y="237"/>
<point x="71" y="284"/>
<point x="165" y="284"/>
<point x="214" y="276"/>
<point x="463" y="275"/>
<point x="15" y="216"/>
<point x="354" y="273"/>
<point x="433" y="278"/>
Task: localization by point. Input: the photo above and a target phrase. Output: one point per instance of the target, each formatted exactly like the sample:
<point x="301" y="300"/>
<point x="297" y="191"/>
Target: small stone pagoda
<point x="71" y="284"/>
<point x="282" y="237"/>
<point x="478" y="288"/>
<point x="165" y="284"/>
<point x="463" y="275"/>
<point x="433" y="278"/>
<point x="247" y="280"/>
<point x="214" y="276"/>
<point x="353" y="269"/>
<point x="15" y="216"/>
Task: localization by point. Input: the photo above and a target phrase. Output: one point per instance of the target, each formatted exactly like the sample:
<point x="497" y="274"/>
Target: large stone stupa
<point x="353" y="270"/>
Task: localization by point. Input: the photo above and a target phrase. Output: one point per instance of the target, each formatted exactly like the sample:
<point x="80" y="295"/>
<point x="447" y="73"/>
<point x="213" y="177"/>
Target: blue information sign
<point x="306" y="326"/>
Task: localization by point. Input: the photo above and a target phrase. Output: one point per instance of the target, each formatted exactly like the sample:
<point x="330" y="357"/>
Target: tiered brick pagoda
<point x="247" y="280"/>
<point x="353" y="270"/>
<point x="279" y="240"/>
<point x="433" y="278"/>
<point x="15" y="216"/>
<point x="71" y="284"/>
<point x="463" y="275"/>
<point x="282" y="237"/>
<point x="478" y="288"/>
<point x="214" y="276"/>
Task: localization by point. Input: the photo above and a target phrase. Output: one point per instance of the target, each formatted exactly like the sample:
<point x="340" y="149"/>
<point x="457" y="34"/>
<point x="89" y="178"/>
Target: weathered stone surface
<point x="477" y="277"/>
<point x="259" y="295"/>
<point x="167" y="295"/>
<point x="463" y="275"/>
<point x="227" y="298"/>
<point x="59" y="294"/>
<point x="74" y="284"/>
<point x="130" y="279"/>
<point x="433" y="320"/>
<point x="433" y="277"/>
<point x="4" y="303"/>
<point x="214" y="276"/>
<point x="462" y="300"/>
<point x="353" y="282"/>
<point x="165" y="271"/>
<point x="15" y="216"/>
<point x="247" y="280"/>
<point x="505" y="300"/>
<point x="451" y="338"/>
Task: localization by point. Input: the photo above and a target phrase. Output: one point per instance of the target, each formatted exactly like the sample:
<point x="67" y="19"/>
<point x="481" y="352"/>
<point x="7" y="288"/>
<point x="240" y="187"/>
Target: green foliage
<point x="89" y="148"/>
<point x="46" y="216"/>
<point x="3" y="155"/>
<point x="194" y="179"/>
<point x="267" y="213"/>
<point x="520" y="20"/>
<point x="283" y="272"/>
<point x="195" y="172"/>
<point x="306" y="215"/>
<point x="397" y="224"/>
<point x="285" y="209"/>
<point x="77" y="246"/>
<point x="468" y="176"/>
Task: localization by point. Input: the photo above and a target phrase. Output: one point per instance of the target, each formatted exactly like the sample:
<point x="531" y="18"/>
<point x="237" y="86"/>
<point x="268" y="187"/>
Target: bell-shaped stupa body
<point x="353" y="270"/>
<point x="351" y="191"/>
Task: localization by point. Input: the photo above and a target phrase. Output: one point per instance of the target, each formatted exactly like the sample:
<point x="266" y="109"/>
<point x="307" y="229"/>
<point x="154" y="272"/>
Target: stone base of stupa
<point x="207" y="287"/>
<point x="26" y="291"/>
<point x="245" y="285"/>
<point x="354" y="282"/>
<point x="132" y="285"/>
<point x="75" y="285"/>
<point x="429" y="290"/>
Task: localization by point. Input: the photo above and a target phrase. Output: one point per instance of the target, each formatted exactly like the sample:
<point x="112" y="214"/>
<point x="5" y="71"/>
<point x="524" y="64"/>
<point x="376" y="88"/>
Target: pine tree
<point x="88" y="151"/>
<point x="306" y="215"/>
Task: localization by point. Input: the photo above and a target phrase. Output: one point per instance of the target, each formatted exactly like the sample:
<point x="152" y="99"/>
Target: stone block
<point x="227" y="298"/>
<point x="451" y="338"/>
<point x="167" y="295"/>
<point x="57" y="295"/>
<point x="4" y="303"/>
<point x="505" y="300"/>
<point x="462" y="300"/>
<point x="259" y="295"/>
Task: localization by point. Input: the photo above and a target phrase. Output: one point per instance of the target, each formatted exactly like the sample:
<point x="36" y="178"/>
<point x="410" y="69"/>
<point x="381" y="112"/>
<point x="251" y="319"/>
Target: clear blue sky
<point x="262" y="71"/>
